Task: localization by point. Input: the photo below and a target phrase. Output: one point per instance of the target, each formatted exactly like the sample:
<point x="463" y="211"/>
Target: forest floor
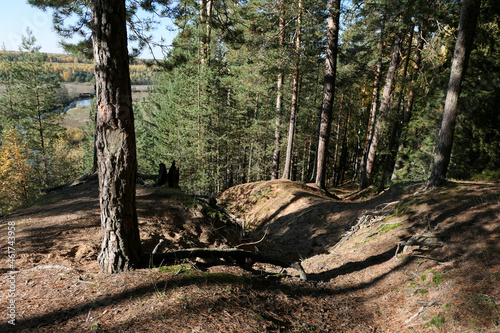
<point x="359" y="278"/>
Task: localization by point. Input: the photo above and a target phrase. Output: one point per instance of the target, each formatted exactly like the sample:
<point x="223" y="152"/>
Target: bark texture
<point x="383" y="111"/>
<point x="287" y="171"/>
<point x="409" y="105"/>
<point x="463" y="47"/>
<point x="328" y="91"/>
<point x="279" y="84"/>
<point x="373" y="109"/>
<point x="115" y="139"/>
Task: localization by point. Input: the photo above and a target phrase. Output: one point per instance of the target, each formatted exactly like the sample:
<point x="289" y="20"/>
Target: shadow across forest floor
<point x="352" y="287"/>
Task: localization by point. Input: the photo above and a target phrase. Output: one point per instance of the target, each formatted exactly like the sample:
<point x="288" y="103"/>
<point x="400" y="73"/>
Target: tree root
<point x="367" y="219"/>
<point x="244" y="259"/>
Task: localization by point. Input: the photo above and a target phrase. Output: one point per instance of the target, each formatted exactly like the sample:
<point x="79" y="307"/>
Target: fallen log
<point x="233" y="255"/>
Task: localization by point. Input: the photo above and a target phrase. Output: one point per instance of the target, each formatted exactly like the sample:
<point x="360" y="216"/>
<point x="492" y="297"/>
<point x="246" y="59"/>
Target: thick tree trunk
<point x="383" y="111"/>
<point x="115" y="141"/>
<point x="329" y="90"/>
<point x="463" y="47"/>
<point x="287" y="172"/>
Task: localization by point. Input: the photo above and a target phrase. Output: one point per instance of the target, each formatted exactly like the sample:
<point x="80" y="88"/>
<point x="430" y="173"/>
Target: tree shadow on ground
<point x="254" y="297"/>
<point x="315" y="229"/>
<point x="355" y="266"/>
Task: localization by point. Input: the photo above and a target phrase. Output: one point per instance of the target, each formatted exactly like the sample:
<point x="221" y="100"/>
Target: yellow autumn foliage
<point x="16" y="174"/>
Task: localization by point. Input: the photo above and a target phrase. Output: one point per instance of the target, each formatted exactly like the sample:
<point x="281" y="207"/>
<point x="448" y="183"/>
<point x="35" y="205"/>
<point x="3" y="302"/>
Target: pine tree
<point x="30" y="103"/>
<point x="329" y="90"/>
<point x="115" y="139"/>
<point x="463" y="47"/>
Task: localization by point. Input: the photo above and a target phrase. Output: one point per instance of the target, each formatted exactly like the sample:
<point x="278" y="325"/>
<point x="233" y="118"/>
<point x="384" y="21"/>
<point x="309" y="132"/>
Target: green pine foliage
<point x="30" y="119"/>
<point x="212" y="102"/>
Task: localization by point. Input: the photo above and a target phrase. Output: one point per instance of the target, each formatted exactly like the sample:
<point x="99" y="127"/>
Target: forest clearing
<point x="358" y="284"/>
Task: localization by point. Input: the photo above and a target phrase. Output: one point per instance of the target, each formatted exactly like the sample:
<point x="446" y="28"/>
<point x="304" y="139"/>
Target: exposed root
<point x="369" y="218"/>
<point x="231" y="256"/>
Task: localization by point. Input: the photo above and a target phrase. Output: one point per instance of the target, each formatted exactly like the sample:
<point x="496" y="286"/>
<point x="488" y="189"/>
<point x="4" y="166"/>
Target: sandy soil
<point x="359" y="279"/>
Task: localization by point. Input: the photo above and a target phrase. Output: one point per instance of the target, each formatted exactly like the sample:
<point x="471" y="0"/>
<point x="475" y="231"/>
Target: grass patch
<point x="420" y="292"/>
<point x="437" y="278"/>
<point x="437" y="321"/>
<point x="391" y="226"/>
<point x="176" y="269"/>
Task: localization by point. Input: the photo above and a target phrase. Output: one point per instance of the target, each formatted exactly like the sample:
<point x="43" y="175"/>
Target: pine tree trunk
<point x="277" y="135"/>
<point x="373" y="110"/>
<point x="339" y="178"/>
<point x="116" y="154"/>
<point x="384" y="109"/>
<point x="329" y="90"/>
<point x="42" y="141"/>
<point x="409" y="105"/>
<point x="287" y="172"/>
<point x="277" y="126"/>
<point x="337" y="141"/>
<point x="463" y="46"/>
<point x="205" y="30"/>
<point x="396" y="126"/>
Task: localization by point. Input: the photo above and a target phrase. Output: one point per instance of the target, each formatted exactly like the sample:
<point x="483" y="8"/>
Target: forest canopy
<point x="213" y="101"/>
<point x="213" y="109"/>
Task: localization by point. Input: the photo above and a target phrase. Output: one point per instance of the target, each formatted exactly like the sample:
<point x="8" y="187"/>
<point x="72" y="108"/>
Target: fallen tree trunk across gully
<point x="234" y="255"/>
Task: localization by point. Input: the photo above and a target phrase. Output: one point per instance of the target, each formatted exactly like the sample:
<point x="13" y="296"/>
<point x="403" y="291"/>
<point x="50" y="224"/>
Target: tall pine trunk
<point x="287" y="172"/>
<point x="373" y="110"/>
<point x="383" y="111"/>
<point x="396" y="125"/>
<point x="463" y="47"/>
<point x="409" y="106"/>
<point x="115" y="141"/>
<point x="205" y="30"/>
<point x="279" y="85"/>
<point x="328" y="91"/>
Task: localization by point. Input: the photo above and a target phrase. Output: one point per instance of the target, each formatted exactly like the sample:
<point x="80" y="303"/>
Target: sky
<point x="17" y="15"/>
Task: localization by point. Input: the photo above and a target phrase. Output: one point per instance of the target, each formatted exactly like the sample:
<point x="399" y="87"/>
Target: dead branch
<point x="254" y="243"/>
<point x="230" y="255"/>
<point x="427" y="257"/>
<point x="40" y="267"/>
<point x="415" y="241"/>
<point x="367" y="219"/>
<point x="421" y="244"/>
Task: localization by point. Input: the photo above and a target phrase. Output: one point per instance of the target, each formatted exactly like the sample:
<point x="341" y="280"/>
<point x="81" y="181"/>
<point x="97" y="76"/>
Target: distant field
<point x="76" y="89"/>
<point x="77" y="117"/>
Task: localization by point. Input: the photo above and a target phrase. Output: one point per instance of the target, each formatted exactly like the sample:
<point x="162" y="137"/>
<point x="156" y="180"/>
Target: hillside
<point x="364" y="283"/>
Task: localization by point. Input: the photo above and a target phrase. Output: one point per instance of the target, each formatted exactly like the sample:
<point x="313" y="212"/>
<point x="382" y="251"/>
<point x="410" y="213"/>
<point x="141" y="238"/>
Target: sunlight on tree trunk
<point x="383" y="111"/>
<point x="115" y="141"/>
<point x="463" y="47"/>
<point x="287" y="171"/>
<point x="329" y="90"/>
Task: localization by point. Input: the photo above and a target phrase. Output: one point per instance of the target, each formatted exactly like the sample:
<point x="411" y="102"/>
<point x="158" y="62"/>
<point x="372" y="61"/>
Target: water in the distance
<point x="82" y="102"/>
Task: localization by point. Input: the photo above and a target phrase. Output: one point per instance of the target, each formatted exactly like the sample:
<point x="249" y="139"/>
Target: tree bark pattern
<point x="287" y="171"/>
<point x="115" y="139"/>
<point x="329" y="90"/>
<point x="463" y="47"/>
<point x="383" y="111"/>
